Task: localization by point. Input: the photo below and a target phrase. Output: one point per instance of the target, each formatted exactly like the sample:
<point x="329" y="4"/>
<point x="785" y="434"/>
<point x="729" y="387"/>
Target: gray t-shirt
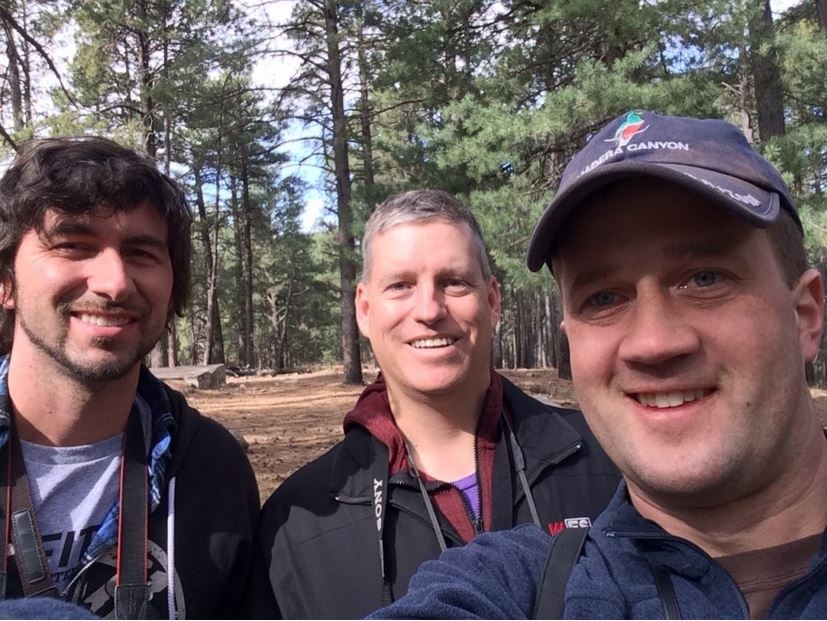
<point x="72" y="490"/>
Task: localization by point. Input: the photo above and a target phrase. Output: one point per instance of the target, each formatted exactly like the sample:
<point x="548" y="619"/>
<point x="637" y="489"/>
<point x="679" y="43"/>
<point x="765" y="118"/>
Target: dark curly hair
<point x="77" y="175"/>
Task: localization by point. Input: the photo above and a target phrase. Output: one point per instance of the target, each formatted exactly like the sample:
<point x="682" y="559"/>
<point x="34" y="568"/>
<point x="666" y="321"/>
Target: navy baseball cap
<point x="709" y="157"/>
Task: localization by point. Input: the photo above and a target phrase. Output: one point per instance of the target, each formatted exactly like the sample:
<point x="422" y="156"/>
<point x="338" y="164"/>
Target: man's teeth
<point x="105" y="321"/>
<point x="671" y="399"/>
<point x="426" y="343"/>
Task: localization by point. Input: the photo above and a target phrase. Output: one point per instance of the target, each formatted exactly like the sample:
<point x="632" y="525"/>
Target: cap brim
<point x="758" y="206"/>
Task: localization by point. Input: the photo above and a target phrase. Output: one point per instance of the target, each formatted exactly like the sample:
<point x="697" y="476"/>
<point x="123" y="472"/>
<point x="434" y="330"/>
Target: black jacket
<point x="319" y="529"/>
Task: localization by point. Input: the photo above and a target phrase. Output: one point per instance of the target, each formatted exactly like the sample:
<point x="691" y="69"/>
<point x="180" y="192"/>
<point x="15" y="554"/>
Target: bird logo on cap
<point x="632" y="126"/>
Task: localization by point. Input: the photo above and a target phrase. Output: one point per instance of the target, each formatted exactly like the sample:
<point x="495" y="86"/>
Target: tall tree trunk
<point x="238" y="266"/>
<point x="247" y="262"/>
<point x="213" y="351"/>
<point x="519" y="331"/>
<point x="13" y="77"/>
<point x="365" y="118"/>
<point x="145" y="78"/>
<point x="26" y="68"/>
<point x="742" y="92"/>
<point x="216" y="351"/>
<point x="766" y="77"/>
<point x="552" y="326"/>
<point x="821" y="13"/>
<point x="351" y="357"/>
<point x="172" y="341"/>
<point x="206" y="248"/>
<point x="159" y="357"/>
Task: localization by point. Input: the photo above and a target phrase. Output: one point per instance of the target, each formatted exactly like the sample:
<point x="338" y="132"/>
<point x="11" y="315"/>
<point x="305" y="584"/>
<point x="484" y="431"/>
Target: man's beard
<point x="101" y="371"/>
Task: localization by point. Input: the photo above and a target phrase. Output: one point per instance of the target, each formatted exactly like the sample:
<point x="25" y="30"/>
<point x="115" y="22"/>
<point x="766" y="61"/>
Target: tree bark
<point x="213" y="352"/>
<point x="351" y="357"/>
<point x="145" y="78"/>
<point x="247" y="262"/>
<point x="821" y="13"/>
<point x="13" y="77"/>
<point x="365" y="118"/>
<point x="766" y="77"/>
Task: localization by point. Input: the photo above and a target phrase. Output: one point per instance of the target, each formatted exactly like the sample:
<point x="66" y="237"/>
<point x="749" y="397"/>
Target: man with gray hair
<point x="440" y="447"/>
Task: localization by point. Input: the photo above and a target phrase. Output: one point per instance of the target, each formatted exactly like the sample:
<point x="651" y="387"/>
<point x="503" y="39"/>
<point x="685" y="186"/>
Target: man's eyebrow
<point x="389" y="277"/>
<point x="68" y="227"/>
<point x="65" y="227"/>
<point x="710" y="249"/>
<point x="146" y="240"/>
<point x="596" y="274"/>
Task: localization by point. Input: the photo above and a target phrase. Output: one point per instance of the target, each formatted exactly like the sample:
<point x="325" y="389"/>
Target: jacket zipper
<point x="658" y="536"/>
<point x="476" y="518"/>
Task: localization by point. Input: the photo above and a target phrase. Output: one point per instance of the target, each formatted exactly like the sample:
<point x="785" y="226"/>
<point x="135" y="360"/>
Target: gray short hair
<point x="422" y="206"/>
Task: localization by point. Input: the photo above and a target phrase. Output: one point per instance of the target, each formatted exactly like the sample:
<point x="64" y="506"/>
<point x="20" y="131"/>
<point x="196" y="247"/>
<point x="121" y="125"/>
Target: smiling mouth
<point x="106" y="321"/>
<point x="433" y="343"/>
<point x="670" y="399"/>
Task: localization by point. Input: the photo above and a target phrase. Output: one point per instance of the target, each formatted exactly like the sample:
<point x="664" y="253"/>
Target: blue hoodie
<point x="497" y="576"/>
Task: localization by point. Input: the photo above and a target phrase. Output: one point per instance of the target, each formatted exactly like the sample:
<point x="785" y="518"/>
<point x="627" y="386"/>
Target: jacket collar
<point x="621" y="521"/>
<point x="544" y="436"/>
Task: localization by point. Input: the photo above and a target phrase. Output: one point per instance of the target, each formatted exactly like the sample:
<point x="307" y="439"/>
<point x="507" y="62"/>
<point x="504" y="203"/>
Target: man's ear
<point x="563" y="326"/>
<point x="494" y="301"/>
<point x="362" y="305"/>
<point x="808" y="297"/>
<point x="7" y="294"/>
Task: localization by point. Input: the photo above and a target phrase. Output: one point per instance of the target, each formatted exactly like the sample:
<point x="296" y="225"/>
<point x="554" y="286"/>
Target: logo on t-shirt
<point x="64" y="551"/>
<point x="94" y="587"/>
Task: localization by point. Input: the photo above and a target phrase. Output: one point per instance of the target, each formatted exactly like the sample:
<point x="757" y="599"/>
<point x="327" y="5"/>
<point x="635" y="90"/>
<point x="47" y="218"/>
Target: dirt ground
<point x="289" y="419"/>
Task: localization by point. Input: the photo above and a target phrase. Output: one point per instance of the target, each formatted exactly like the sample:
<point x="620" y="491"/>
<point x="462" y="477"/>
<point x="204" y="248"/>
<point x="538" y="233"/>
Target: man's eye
<point x="705" y="279"/>
<point x="702" y="280"/>
<point x="456" y="284"/>
<point x="140" y="253"/>
<point x="71" y="247"/>
<point x="604" y="298"/>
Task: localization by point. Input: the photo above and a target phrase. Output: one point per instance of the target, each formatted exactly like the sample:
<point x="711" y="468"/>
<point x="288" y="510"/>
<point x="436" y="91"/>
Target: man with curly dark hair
<point x="120" y="497"/>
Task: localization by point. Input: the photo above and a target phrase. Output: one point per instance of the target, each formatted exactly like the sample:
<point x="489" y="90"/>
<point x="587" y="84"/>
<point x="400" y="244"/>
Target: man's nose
<point x="429" y="303"/>
<point x="657" y="330"/>
<point x="109" y="275"/>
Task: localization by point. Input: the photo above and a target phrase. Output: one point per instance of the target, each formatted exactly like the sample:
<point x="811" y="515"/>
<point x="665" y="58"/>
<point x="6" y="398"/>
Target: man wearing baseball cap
<point x="690" y="312"/>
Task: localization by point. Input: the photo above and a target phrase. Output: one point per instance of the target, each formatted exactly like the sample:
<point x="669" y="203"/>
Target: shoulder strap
<point x="666" y="591"/>
<point x="565" y="550"/>
<point x="29" y="555"/>
<point x="132" y="588"/>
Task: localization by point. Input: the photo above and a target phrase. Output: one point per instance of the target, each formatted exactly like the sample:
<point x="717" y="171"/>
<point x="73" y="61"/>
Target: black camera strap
<point x="21" y="532"/>
<point x="28" y="546"/>
<point x="132" y="588"/>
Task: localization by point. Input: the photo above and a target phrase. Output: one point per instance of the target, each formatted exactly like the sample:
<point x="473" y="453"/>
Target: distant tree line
<point x="487" y="99"/>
